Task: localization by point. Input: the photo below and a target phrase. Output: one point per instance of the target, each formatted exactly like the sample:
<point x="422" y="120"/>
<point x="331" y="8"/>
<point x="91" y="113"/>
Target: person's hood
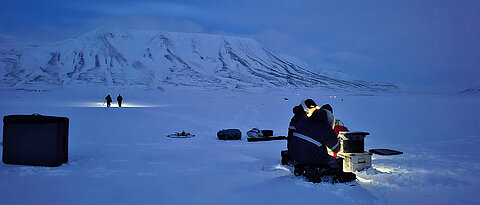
<point x="298" y="110"/>
<point x="323" y="116"/>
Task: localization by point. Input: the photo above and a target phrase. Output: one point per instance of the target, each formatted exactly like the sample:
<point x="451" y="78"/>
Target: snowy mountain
<point x="335" y="73"/>
<point x="472" y="90"/>
<point x="148" y="59"/>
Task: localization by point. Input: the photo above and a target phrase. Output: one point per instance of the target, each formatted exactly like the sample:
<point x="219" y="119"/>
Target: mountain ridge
<point x="154" y="60"/>
<point x="470" y="91"/>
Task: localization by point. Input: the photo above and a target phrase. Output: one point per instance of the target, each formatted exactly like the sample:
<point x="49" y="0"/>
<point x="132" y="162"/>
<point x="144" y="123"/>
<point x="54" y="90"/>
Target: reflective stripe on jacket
<point x="311" y="138"/>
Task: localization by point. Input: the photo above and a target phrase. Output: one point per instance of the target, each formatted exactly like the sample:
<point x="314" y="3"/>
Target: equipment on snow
<point x="385" y="152"/>
<point x="182" y="134"/>
<point x="339" y="127"/>
<point x="35" y="140"/>
<point x="258" y="139"/>
<point x="317" y="174"/>
<point x="256" y="135"/>
<point x="267" y="133"/>
<point x="356" y="161"/>
<point x="229" y="134"/>
<point x="353" y="154"/>
<point x="352" y="142"/>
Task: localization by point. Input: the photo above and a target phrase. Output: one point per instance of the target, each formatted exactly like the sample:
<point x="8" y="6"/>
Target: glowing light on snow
<point x="384" y="169"/>
<point x="282" y="168"/>
<point x="363" y="180"/>
<point x="103" y="104"/>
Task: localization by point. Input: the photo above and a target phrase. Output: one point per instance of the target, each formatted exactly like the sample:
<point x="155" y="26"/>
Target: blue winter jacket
<point x="310" y="140"/>
<point x="298" y="113"/>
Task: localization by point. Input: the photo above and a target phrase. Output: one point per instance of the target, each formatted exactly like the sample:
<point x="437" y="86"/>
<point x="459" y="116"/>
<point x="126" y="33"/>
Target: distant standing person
<point x="108" y="99"/>
<point x="119" y="100"/>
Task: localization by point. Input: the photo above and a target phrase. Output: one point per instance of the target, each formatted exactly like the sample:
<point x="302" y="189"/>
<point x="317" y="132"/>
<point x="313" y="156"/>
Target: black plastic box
<point x="229" y="134"/>
<point x="35" y="140"/>
<point x="353" y="142"/>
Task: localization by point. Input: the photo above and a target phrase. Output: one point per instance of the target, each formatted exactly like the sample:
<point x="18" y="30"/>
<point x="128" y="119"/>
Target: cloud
<point x="310" y="53"/>
<point x="350" y="58"/>
<point x="281" y="42"/>
<point x="139" y="8"/>
<point x="146" y="23"/>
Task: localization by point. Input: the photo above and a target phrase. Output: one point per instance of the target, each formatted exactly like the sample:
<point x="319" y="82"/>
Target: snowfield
<point x="122" y="155"/>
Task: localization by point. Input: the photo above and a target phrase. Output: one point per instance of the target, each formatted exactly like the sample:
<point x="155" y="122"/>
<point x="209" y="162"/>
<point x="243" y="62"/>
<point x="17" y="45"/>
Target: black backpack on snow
<point x="229" y="134"/>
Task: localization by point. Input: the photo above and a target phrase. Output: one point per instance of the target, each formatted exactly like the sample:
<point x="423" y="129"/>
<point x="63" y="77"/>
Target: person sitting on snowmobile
<point x="308" y="147"/>
<point x="305" y="109"/>
<point x="119" y="100"/>
<point x="108" y="99"/>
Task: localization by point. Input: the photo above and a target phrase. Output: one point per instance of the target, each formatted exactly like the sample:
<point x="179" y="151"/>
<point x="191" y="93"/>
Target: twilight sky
<point x="429" y="45"/>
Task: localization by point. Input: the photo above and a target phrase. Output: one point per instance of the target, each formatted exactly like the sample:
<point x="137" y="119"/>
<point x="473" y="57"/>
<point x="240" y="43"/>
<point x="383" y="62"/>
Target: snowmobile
<point x="317" y="174"/>
<point x="351" y="157"/>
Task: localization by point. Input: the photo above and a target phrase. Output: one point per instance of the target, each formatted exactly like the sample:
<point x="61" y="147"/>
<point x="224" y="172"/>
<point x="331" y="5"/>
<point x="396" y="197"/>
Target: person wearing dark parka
<point x="108" y="99"/>
<point x="309" y="143"/>
<point x="299" y="111"/>
<point x="119" y="100"/>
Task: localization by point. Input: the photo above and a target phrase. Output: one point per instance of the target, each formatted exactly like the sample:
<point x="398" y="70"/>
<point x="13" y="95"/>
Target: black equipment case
<point x="353" y="142"/>
<point x="229" y="134"/>
<point x="35" y="140"/>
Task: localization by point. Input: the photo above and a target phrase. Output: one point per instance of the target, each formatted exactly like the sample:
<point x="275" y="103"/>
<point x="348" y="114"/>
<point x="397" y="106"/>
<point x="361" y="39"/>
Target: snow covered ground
<point x="122" y="155"/>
